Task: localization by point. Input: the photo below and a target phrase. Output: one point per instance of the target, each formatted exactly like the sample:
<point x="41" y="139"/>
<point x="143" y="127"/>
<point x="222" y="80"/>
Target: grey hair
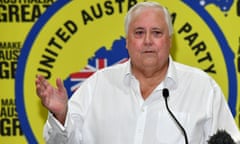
<point x="141" y="5"/>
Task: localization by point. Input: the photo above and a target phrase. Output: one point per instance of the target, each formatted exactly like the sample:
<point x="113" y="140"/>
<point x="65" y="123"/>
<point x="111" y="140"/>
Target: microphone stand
<point x="165" y="95"/>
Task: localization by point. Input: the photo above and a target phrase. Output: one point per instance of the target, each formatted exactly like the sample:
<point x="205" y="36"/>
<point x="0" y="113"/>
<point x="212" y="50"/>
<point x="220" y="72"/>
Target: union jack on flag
<point x="75" y="79"/>
<point x="79" y="77"/>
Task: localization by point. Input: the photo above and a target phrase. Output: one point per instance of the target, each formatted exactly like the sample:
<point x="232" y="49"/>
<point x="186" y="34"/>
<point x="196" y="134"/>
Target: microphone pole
<point x="165" y="95"/>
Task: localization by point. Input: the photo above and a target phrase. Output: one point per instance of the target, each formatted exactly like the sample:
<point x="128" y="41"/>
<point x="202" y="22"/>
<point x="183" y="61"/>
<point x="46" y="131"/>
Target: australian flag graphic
<point x="103" y="58"/>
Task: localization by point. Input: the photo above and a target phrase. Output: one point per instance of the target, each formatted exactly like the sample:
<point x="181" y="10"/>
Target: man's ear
<point x="126" y="42"/>
<point x="170" y="39"/>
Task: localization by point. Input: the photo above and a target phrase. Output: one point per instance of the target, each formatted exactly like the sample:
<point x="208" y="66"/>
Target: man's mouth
<point x="148" y="51"/>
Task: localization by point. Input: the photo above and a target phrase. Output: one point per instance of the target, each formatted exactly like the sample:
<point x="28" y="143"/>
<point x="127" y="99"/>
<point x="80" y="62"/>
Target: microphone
<point x="165" y="94"/>
<point x="221" y="137"/>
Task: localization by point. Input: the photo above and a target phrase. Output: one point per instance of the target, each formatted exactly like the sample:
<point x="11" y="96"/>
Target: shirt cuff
<point x="54" y="123"/>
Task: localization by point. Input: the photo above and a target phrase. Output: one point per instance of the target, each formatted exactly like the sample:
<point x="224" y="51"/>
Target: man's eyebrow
<point x="142" y="28"/>
<point x="139" y="28"/>
<point x="156" y="28"/>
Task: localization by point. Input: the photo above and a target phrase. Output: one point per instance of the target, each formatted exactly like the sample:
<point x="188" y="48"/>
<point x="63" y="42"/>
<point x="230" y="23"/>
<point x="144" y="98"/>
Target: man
<point x="124" y="104"/>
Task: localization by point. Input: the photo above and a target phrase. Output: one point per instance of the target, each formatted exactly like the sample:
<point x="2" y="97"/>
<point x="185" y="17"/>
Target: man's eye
<point x="139" y="34"/>
<point x="157" y="33"/>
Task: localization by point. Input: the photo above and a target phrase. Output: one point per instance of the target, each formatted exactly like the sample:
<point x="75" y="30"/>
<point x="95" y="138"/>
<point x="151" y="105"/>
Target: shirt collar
<point x="127" y="74"/>
<point x="169" y="82"/>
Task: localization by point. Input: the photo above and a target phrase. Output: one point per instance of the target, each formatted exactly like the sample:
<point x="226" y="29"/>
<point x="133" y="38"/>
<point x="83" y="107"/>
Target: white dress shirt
<point x="108" y="109"/>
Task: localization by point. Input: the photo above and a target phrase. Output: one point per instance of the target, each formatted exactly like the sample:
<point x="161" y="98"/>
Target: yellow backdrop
<point x="58" y="38"/>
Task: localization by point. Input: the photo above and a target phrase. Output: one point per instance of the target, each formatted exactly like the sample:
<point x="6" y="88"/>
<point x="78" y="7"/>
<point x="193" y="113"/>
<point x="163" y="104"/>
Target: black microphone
<point x="165" y="94"/>
<point x="221" y="137"/>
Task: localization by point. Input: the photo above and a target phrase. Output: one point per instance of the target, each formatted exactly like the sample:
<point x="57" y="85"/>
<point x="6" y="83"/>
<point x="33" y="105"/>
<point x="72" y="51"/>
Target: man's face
<point x="148" y="40"/>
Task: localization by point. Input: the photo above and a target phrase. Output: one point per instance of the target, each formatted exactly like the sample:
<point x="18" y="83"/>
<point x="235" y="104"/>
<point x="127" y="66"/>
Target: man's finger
<point x="60" y="85"/>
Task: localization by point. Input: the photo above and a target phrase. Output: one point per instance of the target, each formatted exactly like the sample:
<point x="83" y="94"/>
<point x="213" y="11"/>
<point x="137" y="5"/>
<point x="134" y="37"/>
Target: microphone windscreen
<point x="221" y="137"/>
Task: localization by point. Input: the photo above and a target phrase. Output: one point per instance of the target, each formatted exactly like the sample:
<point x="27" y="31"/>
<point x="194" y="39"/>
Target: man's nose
<point x="148" y="39"/>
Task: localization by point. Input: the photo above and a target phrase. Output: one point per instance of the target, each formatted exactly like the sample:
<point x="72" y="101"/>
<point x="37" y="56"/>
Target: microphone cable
<point x="165" y="94"/>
